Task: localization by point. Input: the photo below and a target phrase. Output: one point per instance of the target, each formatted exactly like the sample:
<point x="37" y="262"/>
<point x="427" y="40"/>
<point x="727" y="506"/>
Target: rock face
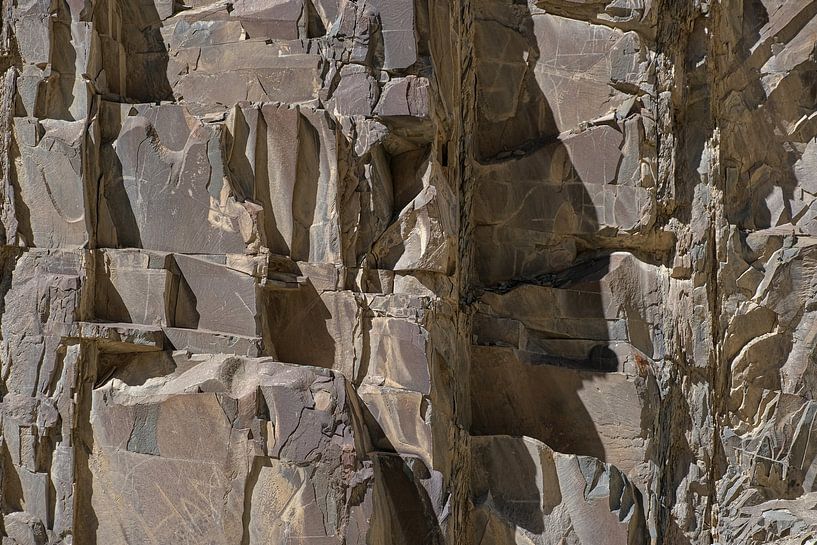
<point x="462" y="272"/>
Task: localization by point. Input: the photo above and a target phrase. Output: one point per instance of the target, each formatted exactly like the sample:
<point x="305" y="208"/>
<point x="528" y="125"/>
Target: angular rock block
<point x="397" y="30"/>
<point x="584" y="186"/>
<point x="271" y="20"/>
<point x="309" y="327"/>
<point x="604" y="415"/>
<point x="204" y="304"/>
<point x="47" y="293"/>
<point x="395" y="378"/>
<point x="285" y="159"/>
<point x="404" y="97"/>
<point x="255" y="42"/>
<point x="524" y="492"/>
<point x="398" y="354"/>
<point x="165" y="186"/>
<point x="598" y="311"/>
<point x="116" y="338"/>
<point x="197" y="341"/>
<point x="229" y="448"/>
<point x="53" y="199"/>
<point x="422" y="238"/>
<point x="214" y="297"/>
<point x="136" y="287"/>
<point x="400" y="418"/>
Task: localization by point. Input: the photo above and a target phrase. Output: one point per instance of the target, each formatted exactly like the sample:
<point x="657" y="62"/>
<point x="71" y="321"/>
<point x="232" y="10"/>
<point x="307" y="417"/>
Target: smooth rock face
<point x="464" y="272"/>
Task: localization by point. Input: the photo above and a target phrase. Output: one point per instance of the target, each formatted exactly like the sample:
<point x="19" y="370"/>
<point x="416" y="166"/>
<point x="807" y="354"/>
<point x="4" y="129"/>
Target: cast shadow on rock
<point x="403" y="507"/>
<point x="543" y="135"/>
<point x="297" y="325"/>
<point x="526" y="390"/>
<point x="764" y="191"/>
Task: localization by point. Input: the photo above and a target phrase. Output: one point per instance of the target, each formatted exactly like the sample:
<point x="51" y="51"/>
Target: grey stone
<point x="535" y="272"/>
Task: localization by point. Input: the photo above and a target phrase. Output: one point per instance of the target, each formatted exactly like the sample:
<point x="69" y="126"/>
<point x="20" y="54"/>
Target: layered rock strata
<point x="408" y="272"/>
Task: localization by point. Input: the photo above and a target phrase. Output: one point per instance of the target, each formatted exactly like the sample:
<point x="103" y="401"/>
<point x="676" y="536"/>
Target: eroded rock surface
<point x="464" y="272"/>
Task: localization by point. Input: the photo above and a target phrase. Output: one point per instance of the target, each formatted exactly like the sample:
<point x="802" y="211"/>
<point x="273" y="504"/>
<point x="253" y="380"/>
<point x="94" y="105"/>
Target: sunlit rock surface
<point x="463" y="272"/>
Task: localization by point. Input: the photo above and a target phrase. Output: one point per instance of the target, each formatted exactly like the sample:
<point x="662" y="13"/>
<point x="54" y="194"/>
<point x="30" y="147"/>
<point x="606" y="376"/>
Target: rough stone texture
<point x="432" y="272"/>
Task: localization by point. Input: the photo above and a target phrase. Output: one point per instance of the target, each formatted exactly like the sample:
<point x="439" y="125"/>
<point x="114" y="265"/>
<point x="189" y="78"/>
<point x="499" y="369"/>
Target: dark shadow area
<point x="504" y="480"/>
<point x="115" y="220"/>
<point x="185" y="312"/>
<point x="762" y="190"/>
<point x="601" y="358"/>
<point x="12" y="487"/>
<point x="254" y="473"/>
<point x="315" y="25"/>
<point x="58" y="92"/>
<point x="85" y="519"/>
<point x="134" y="59"/>
<point x="406" y="180"/>
<point x="145" y="52"/>
<point x="305" y="192"/>
<point x="245" y="152"/>
<point x="295" y="322"/>
<point x="695" y="122"/>
<point x="402" y="508"/>
<point x="22" y="213"/>
<point x="119" y="206"/>
<point x="675" y="426"/>
<point x="533" y="130"/>
<point x="133" y="368"/>
<point x="517" y="396"/>
<point x="117" y="226"/>
<point x="405" y="513"/>
<point x="395" y="172"/>
<point x="534" y="350"/>
<point x="276" y="133"/>
<point x="512" y="112"/>
<point x="108" y="303"/>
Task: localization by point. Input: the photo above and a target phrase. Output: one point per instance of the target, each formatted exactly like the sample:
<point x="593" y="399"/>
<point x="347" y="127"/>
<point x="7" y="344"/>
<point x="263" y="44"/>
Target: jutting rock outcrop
<point x="433" y="272"/>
